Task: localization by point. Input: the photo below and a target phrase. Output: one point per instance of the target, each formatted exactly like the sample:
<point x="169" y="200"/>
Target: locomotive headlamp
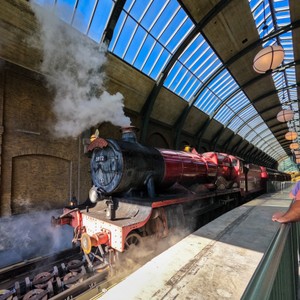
<point x="93" y="194"/>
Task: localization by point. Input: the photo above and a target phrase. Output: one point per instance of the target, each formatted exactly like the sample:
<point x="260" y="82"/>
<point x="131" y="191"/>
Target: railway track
<point x="69" y="275"/>
<point x="62" y="276"/>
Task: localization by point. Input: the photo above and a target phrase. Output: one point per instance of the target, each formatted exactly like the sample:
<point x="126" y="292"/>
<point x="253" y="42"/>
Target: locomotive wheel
<point x="36" y="294"/>
<point x="131" y="255"/>
<point x="132" y="241"/>
<point x="41" y="280"/>
<point x="75" y="265"/>
<point x="71" y="279"/>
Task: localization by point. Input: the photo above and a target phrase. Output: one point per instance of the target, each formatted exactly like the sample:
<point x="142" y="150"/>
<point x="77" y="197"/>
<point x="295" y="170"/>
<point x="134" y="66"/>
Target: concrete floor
<point x="215" y="262"/>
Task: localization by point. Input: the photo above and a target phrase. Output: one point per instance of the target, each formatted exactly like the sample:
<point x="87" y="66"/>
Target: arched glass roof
<point x="148" y="33"/>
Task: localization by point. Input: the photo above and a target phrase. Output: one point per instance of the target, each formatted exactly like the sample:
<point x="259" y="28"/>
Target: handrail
<point x="262" y="282"/>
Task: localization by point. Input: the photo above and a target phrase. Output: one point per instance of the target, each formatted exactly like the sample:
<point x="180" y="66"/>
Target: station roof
<point x="203" y="51"/>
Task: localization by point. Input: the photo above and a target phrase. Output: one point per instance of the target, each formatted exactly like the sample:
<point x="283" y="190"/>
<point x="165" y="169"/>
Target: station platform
<point x="215" y="262"/>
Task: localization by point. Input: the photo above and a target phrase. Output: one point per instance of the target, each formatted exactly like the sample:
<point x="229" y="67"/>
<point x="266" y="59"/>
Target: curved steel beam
<point x="214" y="142"/>
<point x="109" y="30"/>
<point x="216" y="137"/>
<point x="256" y="156"/>
<point x="245" y="154"/>
<point x="225" y="145"/>
<point x="244" y="150"/>
<point x="271" y="128"/>
<point x="258" y="99"/>
<point x="207" y="122"/>
<point x="148" y="106"/>
<point x="236" y="146"/>
<point x="179" y="123"/>
<point x="241" y="151"/>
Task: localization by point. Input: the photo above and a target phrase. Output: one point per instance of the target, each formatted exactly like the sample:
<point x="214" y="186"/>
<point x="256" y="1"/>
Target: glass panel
<point x="255" y="140"/>
<point x="46" y="3"/>
<point x="255" y="121"/>
<point x="137" y="41"/>
<point x="83" y="15"/>
<point x="208" y="101"/>
<point x="160" y="63"/>
<point x="251" y="135"/>
<point x="238" y="102"/>
<point x="216" y="92"/>
<point x="149" y="32"/>
<point x="138" y="10"/>
<point x="235" y="123"/>
<point x="224" y="114"/>
<point x="190" y="56"/>
<point x="64" y="10"/>
<point x="155" y="51"/>
<point x="100" y="19"/>
<point x="155" y="10"/>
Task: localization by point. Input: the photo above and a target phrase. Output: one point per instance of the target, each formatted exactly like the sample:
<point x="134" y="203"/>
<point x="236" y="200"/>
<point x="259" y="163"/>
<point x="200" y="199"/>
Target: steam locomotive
<point x="144" y="191"/>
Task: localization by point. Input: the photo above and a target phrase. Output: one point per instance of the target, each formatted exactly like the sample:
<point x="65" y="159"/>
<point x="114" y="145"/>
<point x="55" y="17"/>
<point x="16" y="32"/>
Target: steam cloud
<point x="30" y="235"/>
<point x="73" y="63"/>
<point x="137" y="256"/>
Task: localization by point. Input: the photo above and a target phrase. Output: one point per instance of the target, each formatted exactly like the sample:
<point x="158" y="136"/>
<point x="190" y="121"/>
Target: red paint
<point x="186" y="167"/>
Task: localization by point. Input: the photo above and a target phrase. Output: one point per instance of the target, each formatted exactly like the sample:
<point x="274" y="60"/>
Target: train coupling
<point x="61" y="221"/>
<point x="64" y="219"/>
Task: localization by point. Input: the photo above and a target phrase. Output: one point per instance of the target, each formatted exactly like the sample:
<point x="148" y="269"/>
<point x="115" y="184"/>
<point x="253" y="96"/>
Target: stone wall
<point x="37" y="170"/>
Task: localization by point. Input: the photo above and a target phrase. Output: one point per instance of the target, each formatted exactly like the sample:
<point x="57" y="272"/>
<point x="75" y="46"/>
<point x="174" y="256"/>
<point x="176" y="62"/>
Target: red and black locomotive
<point x="141" y="191"/>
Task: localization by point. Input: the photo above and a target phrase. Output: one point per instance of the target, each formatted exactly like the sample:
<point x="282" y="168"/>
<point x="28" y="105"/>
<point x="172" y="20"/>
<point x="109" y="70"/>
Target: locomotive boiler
<point x="144" y="191"/>
<point x="125" y="166"/>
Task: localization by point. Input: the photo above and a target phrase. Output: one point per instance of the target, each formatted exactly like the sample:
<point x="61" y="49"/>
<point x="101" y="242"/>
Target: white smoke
<point x="31" y="235"/>
<point x="73" y="63"/>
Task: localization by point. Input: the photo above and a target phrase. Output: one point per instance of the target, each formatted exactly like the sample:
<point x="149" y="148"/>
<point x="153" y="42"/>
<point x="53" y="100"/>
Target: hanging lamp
<point x="294" y="146"/>
<point x="268" y="58"/>
<point x="291" y="135"/>
<point x="285" y="115"/>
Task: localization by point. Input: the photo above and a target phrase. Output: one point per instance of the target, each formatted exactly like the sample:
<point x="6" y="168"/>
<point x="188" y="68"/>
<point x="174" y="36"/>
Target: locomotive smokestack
<point x="129" y="134"/>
